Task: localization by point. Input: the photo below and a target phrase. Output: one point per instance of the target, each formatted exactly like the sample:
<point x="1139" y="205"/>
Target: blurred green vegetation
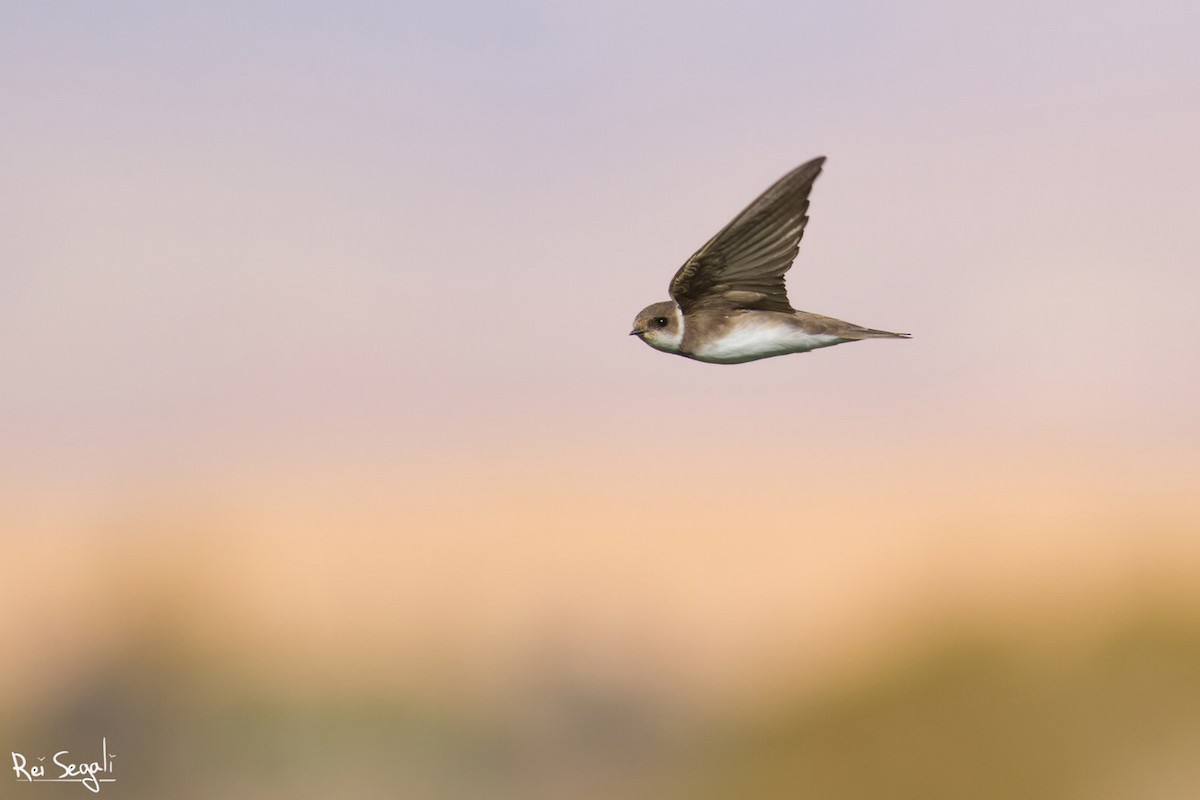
<point x="972" y="718"/>
<point x="967" y="717"/>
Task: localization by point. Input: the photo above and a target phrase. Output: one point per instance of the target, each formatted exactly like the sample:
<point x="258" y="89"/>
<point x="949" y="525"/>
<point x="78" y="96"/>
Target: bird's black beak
<point x="637" y="331"/>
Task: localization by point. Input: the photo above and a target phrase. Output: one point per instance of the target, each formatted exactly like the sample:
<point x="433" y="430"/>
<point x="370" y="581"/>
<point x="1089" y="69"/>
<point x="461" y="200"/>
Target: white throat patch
<point x="666" y="341"/>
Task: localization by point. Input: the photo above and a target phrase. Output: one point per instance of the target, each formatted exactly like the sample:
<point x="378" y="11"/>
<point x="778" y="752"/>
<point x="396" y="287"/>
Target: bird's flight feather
<point x="743" y="266"/>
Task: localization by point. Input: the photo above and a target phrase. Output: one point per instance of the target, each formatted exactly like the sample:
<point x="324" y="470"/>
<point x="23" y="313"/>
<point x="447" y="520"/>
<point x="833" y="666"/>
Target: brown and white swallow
<point x="728" y="302"/>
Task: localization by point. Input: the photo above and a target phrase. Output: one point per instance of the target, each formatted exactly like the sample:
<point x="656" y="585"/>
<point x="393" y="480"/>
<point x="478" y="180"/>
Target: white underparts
<point x="750" y="339"/>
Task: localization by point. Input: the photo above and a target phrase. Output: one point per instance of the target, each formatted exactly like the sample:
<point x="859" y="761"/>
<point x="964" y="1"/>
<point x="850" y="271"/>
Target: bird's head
<point x="660" y="326"/>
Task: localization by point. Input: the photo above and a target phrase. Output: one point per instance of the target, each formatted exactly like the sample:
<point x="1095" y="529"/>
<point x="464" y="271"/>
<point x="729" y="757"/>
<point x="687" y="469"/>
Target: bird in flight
<point x="728" y="302"/>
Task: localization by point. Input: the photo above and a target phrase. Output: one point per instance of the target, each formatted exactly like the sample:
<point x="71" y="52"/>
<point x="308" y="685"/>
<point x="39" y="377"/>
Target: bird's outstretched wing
<point x="742" y="267"/>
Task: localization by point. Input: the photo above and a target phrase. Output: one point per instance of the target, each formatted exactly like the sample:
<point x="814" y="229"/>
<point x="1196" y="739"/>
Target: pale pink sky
<point x="232" y="229"/>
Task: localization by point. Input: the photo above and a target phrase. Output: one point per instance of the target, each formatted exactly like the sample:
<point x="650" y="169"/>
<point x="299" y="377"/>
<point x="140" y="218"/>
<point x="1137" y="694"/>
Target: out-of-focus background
<point x="328" y="468"/>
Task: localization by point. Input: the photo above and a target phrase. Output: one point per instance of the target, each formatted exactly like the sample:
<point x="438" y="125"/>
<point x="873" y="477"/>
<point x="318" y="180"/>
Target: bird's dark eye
<point x="660" y="322"/>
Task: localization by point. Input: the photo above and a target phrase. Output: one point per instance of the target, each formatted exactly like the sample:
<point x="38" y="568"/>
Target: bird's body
<point x="729" y="304"/>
